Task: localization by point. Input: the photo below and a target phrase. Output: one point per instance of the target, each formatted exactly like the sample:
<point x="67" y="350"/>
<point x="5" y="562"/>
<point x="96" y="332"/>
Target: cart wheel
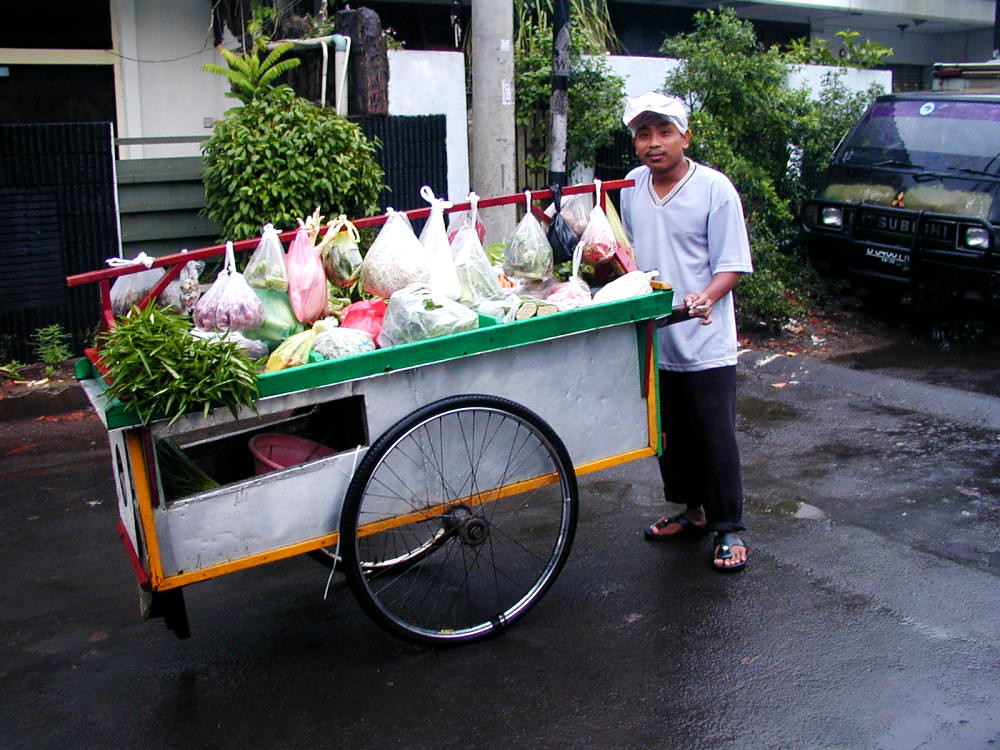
<point x="458" y="519"/>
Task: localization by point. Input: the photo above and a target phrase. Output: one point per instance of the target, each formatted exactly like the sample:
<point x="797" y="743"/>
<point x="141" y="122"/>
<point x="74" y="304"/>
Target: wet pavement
<point x="868" y="617"/>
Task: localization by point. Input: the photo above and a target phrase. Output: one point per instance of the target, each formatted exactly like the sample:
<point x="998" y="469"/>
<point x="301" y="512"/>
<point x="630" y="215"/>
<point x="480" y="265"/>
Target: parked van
<point x="911" y="202"/>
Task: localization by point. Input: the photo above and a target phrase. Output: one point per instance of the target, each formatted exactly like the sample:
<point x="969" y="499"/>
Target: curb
<point x="44" y="402"/>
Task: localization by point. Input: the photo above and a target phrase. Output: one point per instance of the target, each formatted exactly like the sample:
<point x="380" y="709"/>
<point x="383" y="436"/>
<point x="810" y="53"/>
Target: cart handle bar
<point x="369" y="221"/>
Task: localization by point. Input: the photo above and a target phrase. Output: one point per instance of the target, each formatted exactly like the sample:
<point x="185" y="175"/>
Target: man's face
<point x="661" y="146"/>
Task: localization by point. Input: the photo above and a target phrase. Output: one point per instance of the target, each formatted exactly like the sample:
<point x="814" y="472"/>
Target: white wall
<point x="433" y="83"/>
<point x="166" y="91"/>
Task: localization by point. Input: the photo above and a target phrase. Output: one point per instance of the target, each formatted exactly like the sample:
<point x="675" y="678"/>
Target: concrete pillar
<point x="494" y="143"/>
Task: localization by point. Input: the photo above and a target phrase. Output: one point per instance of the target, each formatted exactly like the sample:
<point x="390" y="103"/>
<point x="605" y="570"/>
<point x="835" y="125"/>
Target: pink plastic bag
<point x="366" y="315"/>
<point x="306" y="278"/>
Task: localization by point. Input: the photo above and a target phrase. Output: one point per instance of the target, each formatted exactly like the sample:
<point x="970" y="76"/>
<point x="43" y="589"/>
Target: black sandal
<point x="724" y="542"/>
<point x="688" y="528"/>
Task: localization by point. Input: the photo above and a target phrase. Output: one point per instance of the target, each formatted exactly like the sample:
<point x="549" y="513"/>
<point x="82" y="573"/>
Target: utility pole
<point x="494" y="142"/>
<point x="559" y="104"/>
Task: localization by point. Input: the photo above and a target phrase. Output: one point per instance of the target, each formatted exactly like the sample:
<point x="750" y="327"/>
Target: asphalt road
<point x="867" y="618"/>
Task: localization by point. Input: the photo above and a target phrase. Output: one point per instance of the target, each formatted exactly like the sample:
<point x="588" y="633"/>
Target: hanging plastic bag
<point x="306" y="279"/>
<point x="416" y="312"/>
<point x="395" y="259"/>
<point x="230" y="303"/>
<point x="366" y="315"/>
<point x="434" y="238"/>
<point x="574" y="292"/>
<point x="528" y="254"/>
<point x="340" y="253"/>
<point x="266" y="267"/>
<point x="279" y="321"/>
<point x="291" y="352"/>
<point x="632" y="284"/>
<point x="334" y="342"/>
<point x="458" y="219"/>
<point x="253" y="348"/>
<point x="477" y="278"/>
<point x="131" y="289"/>
<point x="183" y="292"/>
<point x="561" y="236"/>
<point x="618" y="229"/>
<point x="598" y="240"/>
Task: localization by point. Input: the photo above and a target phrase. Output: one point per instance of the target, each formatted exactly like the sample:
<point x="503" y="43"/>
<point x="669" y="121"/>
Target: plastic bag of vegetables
<point x="266" y="267"/>
<point x="291" y="352"/>
<point x="366" y="315"/>
<point x="306" y="278"/>
<point x="598" y="239"/>
<point x="183" y="292"/>
<point x="528" y="254"/>
<point x="395" y="259"/>
<point x="229" y="303"/>
<point x="279" y="321"/>
<point x="434" y="238"/>
<point x="458" y="219"/>
<point x="477" y="279"/>
<point x="333" y="341"/>
<point x="560" y="234"/>
<point x="131" y="289"/>
<point x="574" y="292"/>
<point x="339" y="252"/>
<point x="416" y="312"/>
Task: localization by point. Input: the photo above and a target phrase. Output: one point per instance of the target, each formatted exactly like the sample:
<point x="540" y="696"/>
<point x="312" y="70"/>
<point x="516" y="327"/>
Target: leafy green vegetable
<point x="180" y="475"/>
<point x="162" y="371"/>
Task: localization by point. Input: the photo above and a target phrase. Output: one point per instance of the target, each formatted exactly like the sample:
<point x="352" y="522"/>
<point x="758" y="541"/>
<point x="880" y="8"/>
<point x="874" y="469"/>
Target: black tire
<point x="458" y="520"/>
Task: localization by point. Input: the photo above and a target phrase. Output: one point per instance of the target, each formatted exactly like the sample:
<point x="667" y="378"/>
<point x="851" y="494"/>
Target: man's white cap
<point x="653" y="107"/>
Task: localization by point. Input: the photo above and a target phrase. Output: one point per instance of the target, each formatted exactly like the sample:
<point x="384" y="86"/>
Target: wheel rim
<point x="488" y="499"/>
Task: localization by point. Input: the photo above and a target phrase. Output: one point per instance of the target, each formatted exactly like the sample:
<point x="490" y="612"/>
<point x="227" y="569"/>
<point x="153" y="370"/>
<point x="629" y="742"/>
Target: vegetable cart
<point x="444" y="486"/>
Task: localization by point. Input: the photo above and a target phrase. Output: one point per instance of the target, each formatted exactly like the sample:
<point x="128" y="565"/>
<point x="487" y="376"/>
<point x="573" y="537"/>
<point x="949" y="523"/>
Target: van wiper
<point x="967" y="170"/>
<point x="895" y="163"/>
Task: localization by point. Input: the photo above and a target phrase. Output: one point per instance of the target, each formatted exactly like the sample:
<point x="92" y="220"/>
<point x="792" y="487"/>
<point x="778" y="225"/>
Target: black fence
<point x="57" y="217"/>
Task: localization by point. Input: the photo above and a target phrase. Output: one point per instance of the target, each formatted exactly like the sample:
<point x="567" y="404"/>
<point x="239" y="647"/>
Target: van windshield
<point x="927" y="134"/>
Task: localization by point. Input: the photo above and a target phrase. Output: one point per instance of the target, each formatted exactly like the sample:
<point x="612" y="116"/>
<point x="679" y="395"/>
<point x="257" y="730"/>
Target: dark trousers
<point x="700" y="464"/>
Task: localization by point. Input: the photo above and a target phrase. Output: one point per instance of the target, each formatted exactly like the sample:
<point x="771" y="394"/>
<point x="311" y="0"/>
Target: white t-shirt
<point x="694" y="232"/>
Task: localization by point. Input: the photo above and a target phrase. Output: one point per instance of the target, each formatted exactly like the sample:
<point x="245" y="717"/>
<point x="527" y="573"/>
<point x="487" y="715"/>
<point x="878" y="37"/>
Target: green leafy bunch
<point x="278" y="157"/>
<point x="252" y="75"/>
<point x="772" y="141"/>
<point x="162" y="371"/>
<point x="867" y="54"/>
<point x="595" y="94"/>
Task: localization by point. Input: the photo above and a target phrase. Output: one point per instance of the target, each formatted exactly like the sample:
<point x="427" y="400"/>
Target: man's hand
<point x="699" y="305"/>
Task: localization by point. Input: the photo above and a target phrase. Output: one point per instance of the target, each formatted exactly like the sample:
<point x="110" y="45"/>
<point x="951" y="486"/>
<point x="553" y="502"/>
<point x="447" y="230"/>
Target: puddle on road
<point x="794" y="508"/>
<point x="755" y="408"/>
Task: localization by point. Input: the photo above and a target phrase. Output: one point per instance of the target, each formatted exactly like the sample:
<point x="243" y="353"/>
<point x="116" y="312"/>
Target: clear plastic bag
<point x="279" y="321"/>
<point x="340" y="253"/>
<point x="183" y="292"/>
<point x="334" y="342"/>
<point x="266" y="267"/>
<point x="458" y="219"/>
<point x="416" y="312"/>
<point x="131" y="289"/>
<point x="434" y="238"/>
<point x="395" y="259"/>
<point x="618" y="229"/>
<point x="477" y="278"/>
<point x="598" y="240"/>
<point x="291" y="352"/>
<point x="253" y="348"/>
<point x="574" y="292"/>
<point x="230" y="303"/>
<point x="528" y="254"/>
<point x="306" y="279"/>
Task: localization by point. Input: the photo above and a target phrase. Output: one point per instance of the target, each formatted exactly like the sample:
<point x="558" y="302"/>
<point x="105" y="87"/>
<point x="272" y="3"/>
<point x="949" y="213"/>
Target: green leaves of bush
<point x="279" y="157"/>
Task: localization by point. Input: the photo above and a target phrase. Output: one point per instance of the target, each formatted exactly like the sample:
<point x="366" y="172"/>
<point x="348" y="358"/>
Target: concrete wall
<point x="433" y="83"/>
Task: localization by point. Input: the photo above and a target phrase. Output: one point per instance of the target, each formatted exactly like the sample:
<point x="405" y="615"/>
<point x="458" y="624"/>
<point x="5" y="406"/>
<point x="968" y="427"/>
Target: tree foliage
<point x="595" y="92"/>
<point x="773" y="142"/>
<point x="278" y="157"/>
<point x="867" y="54"/>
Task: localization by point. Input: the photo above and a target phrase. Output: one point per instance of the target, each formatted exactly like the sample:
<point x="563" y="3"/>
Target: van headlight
<point x="977" y="238"/>
<point x="832" y="217"/>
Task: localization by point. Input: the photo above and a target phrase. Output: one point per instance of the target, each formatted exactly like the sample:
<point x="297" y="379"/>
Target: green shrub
<point x="279" y="157"/>
<point x="51" y="344"/>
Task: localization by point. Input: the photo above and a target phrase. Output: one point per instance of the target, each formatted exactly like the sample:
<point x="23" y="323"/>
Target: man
<point x="686" y="220"/>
